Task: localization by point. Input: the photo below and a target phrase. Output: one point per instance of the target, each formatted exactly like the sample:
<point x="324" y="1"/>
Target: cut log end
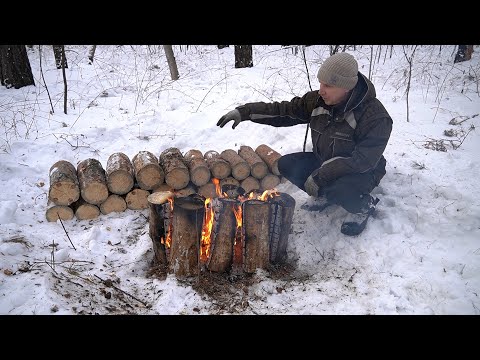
<point x="137" y="199"/>
<point x="150" y="176"/>
<point x="95" y="193"/>
<point x="114" y="203"/>
<point x="59" y="211"/>
<point x="64" y="193"/>
<point x="87" y="212"/>
<point x="120" y="182"/>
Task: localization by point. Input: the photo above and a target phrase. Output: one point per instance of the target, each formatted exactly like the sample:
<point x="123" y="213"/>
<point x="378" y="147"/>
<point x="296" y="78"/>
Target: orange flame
<point x="218" y="190"/>
<point x="206" y="231"/>
<point x="168" y="240"/>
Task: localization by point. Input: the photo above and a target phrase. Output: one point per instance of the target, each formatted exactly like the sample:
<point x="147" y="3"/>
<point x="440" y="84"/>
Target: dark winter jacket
<point x="347" y="138"/>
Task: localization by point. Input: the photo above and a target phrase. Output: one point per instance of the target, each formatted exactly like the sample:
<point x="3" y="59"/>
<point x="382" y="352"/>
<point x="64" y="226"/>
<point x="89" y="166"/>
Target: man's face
<point x="332" y="95"/>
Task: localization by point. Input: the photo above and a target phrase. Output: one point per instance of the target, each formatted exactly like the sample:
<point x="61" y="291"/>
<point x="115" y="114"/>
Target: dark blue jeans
<point x="352" y="191"/>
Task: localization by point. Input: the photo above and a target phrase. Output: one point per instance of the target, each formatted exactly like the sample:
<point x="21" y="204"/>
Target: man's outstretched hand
<point x="233" y="115"/>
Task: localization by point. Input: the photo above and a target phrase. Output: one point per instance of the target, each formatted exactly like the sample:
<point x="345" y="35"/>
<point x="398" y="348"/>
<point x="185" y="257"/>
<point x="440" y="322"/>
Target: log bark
<point x="187" y="224"/>
<point x="222" y="237"/>
<point x="199" y="171"/>
<point x="283" y="207"/>
<point x="147" y="169"/>
<point x="114" y="203"/>
<point x="256" y="227"/>
<point x="93" y="181"/>
<point x="64" y="187"/>
<point x="176" y="171"/>
<point x="84" y="210"/>
<point x="137" y="199"/>
<point x="270" y="157"/>
<point x="219" y="167"/>
<point x="62" y="211"/>
<point x="120" y="173"/>
<point x="258" y="168"/>
<point x="209" y="190"/>
<point x="186" y="191"/>
<point x="158" y="203"/>
<point x="269" y="182"/>
<point x="240" y="168"/>
<point x="250" y="183"/>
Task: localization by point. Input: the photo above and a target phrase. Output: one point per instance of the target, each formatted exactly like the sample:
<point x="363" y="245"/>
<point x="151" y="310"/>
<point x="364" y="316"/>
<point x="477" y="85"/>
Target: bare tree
<point x="64" y="63"/>
<point x="410" y="63"/>
<point x="172" y="63"/>
<point x="243" y="56"/>
<point x="15" y="70"/>
<point x="464" y="53"/>
<point x="58" y="50"/>
<point x="91" y="53"/>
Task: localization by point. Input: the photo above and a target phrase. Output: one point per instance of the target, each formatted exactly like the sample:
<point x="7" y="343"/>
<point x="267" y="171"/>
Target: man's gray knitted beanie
<point x="339" y="70"/>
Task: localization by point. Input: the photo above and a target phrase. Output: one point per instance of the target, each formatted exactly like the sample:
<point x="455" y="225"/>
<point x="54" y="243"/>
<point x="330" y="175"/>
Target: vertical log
<point x="158" y="203"/>
<point x="222" y="235"/>
<point x="283" y="207"/>
<point x="256" y="228"/>
<point x="187" y="224"/>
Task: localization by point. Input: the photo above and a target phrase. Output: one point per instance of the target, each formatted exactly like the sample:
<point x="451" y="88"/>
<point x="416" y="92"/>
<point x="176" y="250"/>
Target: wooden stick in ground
<point x="219" y="167"/>
<point x="270" y="157"/>
<point x="114" y="203"/>
<point x="258" y="168"/>
<point x="177" y="174"/>
<point x="93" y="181"/>
<point x="64" y="212"/>
<point x="120" y="173"/>
<point x="240" y="168"/>
<point x="148" y="171"/>
<point x="84" y="210"/>
<point x="199" y="171"/>
<point x="64" y="187"/>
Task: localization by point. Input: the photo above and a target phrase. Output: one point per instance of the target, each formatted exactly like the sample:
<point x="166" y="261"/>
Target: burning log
<point x="84" y="210"/>
<point x="114" y="203"/>
<point x="64" y="186"/>
<point x="219" y="167"/>
<point x="159" y="211"/>
<point x="250" y="183"/>
<point x="258" y="168"/>
<point x="148" y="172"/>
<point x="199" y="171"/>
<point x="120" y="173"/>
<point x="256" y="230"/>
<point x="56" y="211"/>
<point x="187" y="224"/>
<point x="270" y="157"/>
<point x="176" y="171"/>
<point x="92" y="180"/>
<point x="137" y="199"/>
<point x="219" y="257"/>
<point x="283" y="207"/>
<point x="240" y="168"/>
<point x="269" y="182"/>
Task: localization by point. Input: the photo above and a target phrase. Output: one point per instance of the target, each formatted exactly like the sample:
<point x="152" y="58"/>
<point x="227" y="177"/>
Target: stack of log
<point x="89" y="190"/>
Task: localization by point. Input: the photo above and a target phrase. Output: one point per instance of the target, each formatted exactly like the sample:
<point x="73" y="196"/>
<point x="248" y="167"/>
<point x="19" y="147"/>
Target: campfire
<point x="235" y="232"/>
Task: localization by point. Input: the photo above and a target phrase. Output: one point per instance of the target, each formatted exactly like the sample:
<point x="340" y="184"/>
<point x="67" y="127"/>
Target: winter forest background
<point x="418" y="255"/>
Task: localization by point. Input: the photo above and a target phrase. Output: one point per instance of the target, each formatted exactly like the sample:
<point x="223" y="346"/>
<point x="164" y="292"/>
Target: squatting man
<point x="350" y="129"/>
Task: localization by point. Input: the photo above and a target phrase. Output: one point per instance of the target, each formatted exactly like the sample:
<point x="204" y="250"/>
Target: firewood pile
<point x="90" y="189"/>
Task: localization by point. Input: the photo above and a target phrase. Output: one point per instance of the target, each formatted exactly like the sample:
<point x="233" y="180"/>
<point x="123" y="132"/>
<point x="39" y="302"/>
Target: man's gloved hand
<point x="311" y="187"/>
<point x="231" y="115"/>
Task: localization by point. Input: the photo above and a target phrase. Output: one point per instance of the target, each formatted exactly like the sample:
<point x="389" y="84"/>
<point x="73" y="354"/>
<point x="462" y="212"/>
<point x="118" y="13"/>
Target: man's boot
<point x="354" y="223"/>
